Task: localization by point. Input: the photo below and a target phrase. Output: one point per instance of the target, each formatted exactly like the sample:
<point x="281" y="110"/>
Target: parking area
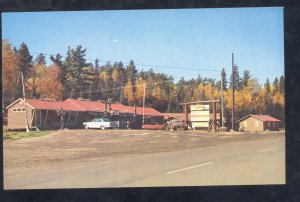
<point x="69" y="148"/>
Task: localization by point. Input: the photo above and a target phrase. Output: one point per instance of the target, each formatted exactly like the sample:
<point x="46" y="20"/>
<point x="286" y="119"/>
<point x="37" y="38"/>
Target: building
<point x="258" y="123"/>
<point x="44" y="114"/>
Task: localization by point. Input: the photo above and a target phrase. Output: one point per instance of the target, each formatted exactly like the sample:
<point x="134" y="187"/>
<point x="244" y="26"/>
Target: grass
<point x="20" y="135"/>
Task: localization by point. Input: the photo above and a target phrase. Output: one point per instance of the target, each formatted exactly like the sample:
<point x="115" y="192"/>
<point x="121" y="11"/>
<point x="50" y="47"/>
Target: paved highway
<point x="240" y="163"/>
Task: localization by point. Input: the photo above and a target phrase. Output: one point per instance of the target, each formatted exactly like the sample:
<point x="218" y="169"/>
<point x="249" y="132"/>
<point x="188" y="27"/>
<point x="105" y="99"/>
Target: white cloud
<point x="115" y="40"/>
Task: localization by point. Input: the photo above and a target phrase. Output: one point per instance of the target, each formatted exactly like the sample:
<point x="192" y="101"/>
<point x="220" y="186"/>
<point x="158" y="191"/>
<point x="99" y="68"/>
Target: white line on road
<point x="269" y="149"/>
<point x="175" y="171"/>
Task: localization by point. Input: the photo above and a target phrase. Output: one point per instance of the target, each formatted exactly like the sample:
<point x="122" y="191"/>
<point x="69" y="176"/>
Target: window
<point x="269" y="124"/>
<point x="274" y="124"/>
<point x="19" y="109"/>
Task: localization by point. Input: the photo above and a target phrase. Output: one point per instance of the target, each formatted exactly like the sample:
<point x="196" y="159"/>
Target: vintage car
<point x="175" y="124"/>
<point x="101" y="123"/>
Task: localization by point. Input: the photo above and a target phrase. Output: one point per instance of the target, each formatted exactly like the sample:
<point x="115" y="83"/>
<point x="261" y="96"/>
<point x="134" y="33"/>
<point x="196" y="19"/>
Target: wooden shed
<point x="258" y="123"/>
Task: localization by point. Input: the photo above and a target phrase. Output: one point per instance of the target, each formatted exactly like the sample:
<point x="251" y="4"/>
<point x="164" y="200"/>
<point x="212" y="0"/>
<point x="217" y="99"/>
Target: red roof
<point x="260" y="117"/>
<point x="51" y="105"/>
<point x="265" y="117"/>
<point x="122" y="108"/>
<point x="139" y="110"/>
<point x="148" y="111"/>
<point x="90" y="106"/>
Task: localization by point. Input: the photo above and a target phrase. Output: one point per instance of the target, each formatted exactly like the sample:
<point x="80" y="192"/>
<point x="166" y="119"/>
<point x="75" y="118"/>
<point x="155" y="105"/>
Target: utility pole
<point x="144" y="103"/>
<point x="233" y="77"/>
<point x="27" y="127"/>
<point x="222" y="99"/>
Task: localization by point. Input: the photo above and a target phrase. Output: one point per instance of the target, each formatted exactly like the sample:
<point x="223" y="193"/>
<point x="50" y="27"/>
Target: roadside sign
<point x="200" y="116"/>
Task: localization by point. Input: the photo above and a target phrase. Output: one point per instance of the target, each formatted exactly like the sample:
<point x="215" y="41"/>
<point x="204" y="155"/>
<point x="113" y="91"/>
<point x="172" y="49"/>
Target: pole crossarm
<point x="199" y="102"/>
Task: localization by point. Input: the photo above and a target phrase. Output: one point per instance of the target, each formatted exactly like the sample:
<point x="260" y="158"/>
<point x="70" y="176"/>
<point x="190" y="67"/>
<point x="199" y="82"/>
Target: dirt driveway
<point x="70" y="148"/>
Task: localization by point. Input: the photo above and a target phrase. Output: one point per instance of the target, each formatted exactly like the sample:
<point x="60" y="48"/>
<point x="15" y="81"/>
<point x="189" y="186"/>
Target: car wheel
<point x="102" y="127"/>
<point x="86" y="127"/>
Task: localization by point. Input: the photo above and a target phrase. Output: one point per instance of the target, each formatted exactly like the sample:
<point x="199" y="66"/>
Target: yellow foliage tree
<point x="128" y="92"/>
<point x="10" y="70"/>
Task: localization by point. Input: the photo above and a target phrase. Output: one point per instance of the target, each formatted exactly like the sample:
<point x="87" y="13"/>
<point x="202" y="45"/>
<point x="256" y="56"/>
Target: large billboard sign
<point x="200" y="116"/>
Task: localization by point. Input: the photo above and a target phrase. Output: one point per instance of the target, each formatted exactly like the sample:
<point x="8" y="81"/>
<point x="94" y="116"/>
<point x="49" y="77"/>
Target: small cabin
<point x="256" y="123"/>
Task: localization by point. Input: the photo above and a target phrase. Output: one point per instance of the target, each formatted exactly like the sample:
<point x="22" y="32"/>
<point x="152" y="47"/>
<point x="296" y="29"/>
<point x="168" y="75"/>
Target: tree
<point x="40" y="59"/>
<point x="225" y="82"/>
<point x="276" y="84"/>
<point x="131" y="71"/>
<point x="237" y="80"/>
<point x="48" y="83"/>
<point x="25" y="59"/>
<point x="245" y="78"/>
<point x="56" y="59"/>
<point x="10" y="72"/>
<point x="281" y="85"/>
<point x="74" y="63"/>
<point x="129" y="93"/>
<point x="267" y="102"/>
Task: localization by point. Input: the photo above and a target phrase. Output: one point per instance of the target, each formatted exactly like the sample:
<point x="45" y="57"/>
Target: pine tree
<point x="25" y="59"/>
<point x="225" y="82"/>
<point x="281" y="85"/>
<point x="40" y="59"/>
<point x="74" y="64"/>
<point x="245" y="79"/>
<point x="237" y="80"/>
<point x="56" y="59"/>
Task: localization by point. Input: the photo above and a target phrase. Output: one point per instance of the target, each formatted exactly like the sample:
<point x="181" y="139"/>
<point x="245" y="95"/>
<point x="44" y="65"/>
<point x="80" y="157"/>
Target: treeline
<point x="73" y="77"/>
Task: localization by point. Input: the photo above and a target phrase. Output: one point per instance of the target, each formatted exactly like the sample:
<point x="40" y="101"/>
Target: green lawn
<point x="21" y="135"/>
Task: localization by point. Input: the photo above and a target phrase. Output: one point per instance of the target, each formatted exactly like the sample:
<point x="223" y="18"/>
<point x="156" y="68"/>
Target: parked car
<point x="101" y="123"/>
<point x="175" y="124"/>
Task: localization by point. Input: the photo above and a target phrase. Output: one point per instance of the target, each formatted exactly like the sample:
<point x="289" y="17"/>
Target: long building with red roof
<point x="47" y="114"/>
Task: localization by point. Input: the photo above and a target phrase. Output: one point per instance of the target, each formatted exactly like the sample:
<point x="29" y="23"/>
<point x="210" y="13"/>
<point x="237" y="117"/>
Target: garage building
<point x="258" y="123"/>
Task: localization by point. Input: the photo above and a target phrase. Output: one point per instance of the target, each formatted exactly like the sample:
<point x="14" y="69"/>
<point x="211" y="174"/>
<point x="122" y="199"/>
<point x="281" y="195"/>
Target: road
<point x="238" y="163"/>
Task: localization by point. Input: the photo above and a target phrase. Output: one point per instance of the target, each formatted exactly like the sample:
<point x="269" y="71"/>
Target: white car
<point x="101" y="123"/>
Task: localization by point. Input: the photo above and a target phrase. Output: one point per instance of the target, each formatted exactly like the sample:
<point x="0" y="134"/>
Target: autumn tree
<point x="10" y="73"/>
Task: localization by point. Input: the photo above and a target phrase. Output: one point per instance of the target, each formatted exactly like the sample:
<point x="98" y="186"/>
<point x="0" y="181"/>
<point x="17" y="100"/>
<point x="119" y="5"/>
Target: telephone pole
<point x="144" y="103"/>
<point x="222" y="99"/>
<point x="27" y="127"/>
<point x="233" y="77"/>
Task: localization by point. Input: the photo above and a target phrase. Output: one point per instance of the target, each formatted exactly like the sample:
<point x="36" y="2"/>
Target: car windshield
<point x="95" y="120"/>
<point x="106" y="120"/>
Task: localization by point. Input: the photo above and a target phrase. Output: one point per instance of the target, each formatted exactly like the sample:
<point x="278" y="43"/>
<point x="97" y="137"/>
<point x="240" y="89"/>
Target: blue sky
<point x="186" y="38"/>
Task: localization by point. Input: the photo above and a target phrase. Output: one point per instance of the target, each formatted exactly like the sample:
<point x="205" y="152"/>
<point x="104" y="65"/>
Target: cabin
<point x="257" y="123"/>
<point x="42" y="114"/>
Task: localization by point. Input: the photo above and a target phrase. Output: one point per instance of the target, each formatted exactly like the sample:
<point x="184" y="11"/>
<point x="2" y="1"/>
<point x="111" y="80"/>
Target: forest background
<point x="71" y="76"/>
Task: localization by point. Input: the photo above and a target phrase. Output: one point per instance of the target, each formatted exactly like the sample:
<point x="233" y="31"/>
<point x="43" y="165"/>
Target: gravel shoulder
<point x="71" y="148"/>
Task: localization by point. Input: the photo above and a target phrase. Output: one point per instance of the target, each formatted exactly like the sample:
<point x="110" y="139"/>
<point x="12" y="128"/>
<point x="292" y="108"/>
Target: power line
<point x="141" y="64"/>
<point x="122" y="87"/>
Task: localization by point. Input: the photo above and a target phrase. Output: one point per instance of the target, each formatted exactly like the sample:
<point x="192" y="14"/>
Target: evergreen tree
<point x="276" y="84"/>
<point x="267" y="102"/>
<point x="225" y="82"/>
<point x="74" y="63"/>
<point x="131" y="72"/>
<point x="237" y="80"/>
<point x="245" y="79"/>
<point x="25" y="59"/>
<point x="56" y="59"/>
<point x="40" y="59"/>
<point x="281" y="85"/>
<point x="97" y="65"/>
